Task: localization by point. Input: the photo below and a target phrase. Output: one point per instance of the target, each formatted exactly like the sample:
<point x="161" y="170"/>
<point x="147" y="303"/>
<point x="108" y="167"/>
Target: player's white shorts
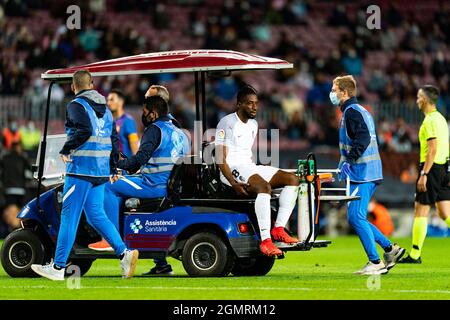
<point x="243" y="172"/>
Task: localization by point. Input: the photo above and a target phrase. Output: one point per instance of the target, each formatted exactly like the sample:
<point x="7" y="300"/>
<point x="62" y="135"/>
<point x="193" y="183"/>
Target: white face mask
<point x="334" y="98"/>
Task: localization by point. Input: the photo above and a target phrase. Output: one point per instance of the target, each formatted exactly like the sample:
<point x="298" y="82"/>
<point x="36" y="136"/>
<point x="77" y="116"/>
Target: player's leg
<point x="260" y="187"/>
<point x="287" y="201"/>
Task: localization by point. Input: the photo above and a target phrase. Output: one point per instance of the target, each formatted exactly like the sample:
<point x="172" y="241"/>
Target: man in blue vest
<point x="361" y="163"/>
<point x="125" y="126"/>
<point x="162" y="144"/>
<point x="90" y="159"/>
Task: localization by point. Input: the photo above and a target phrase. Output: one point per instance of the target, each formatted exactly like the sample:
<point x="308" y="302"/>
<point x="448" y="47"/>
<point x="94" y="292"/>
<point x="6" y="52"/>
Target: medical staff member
<point x="162" y="144"/>
<point x="89" y="155"/>
<point x="432" y="185"/>
<point x="128" y="140"/>
<point x="125" y="124"/>
<point x="161" y="266"/>
<point x="158" y="90"/>
<point x="361" y="163"/>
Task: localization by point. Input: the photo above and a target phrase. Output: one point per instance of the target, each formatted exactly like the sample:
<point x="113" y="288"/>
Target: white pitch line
<point x="234" y="289"/>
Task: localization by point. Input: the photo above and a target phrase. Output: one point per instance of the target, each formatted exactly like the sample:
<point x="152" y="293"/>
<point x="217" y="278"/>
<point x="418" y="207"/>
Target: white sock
<point x="288" y="199"/>
<point x="262" y="209"/>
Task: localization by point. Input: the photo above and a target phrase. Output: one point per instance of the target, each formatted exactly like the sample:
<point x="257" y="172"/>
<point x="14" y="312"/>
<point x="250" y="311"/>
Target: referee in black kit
<point x="433" y="182"/>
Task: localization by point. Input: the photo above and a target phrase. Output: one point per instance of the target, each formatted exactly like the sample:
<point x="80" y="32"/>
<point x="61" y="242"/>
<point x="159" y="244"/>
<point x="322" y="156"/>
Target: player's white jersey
<point x="238" y="137"/>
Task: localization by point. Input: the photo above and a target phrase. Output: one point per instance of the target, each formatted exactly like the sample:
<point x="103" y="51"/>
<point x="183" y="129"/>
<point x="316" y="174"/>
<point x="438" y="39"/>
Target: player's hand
<point x="240" y="188"/>
<point x="66" y="158"/>
<point x="422" y="184"/>
<point x="113" y="178"/>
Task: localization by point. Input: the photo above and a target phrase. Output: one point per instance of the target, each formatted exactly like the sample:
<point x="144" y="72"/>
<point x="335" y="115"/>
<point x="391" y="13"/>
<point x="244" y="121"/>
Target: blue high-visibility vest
<point x="174" y="145"/>
<point x="92" y="158"/>
<point x="368" y="167"/>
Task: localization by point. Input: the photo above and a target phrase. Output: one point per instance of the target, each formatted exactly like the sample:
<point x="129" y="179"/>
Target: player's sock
<point x="262" y="210"/>
<point x="419" y="234"/>
<point x="287" y="200"/>
<point x="447" y="221"/>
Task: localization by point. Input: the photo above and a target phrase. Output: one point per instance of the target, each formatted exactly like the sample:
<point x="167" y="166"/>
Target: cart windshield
<point x="54" y="167"/>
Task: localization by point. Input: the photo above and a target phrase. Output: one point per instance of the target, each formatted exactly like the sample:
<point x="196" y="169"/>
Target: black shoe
<point x="165" y="270"/>
<point x="408" y="259"/>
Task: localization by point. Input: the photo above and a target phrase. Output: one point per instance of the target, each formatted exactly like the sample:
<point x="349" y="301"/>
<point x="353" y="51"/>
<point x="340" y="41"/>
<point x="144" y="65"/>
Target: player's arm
<point x="131" y="134"/>
<point x="133" y="140"/>
<point x="221" y="156"/>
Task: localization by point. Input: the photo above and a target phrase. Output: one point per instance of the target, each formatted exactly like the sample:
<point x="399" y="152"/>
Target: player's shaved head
<point x="82" y="80"/>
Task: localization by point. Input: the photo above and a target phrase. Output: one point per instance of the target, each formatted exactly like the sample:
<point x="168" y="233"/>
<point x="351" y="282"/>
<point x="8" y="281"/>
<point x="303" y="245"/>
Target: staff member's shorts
<point x="438" y="188"/>
<point x="243" y="172"/>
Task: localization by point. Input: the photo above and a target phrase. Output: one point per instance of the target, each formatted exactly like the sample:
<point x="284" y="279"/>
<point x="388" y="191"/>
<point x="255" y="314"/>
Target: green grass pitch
<point x="324" y="273"/>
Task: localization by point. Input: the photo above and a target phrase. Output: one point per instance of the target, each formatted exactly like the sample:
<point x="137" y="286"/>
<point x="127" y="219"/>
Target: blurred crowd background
<point x="322" y="39"/>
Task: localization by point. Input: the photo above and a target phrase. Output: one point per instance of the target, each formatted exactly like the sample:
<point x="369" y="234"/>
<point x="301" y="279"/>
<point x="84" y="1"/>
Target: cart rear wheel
<point x="206" y="254"/>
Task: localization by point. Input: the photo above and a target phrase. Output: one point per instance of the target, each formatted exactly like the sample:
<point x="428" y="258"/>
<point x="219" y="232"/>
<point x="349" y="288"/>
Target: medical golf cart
<point x="201" y="221"/>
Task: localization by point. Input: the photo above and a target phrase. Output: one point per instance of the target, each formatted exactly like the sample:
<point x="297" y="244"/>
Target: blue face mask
<point x="334" y="98"/>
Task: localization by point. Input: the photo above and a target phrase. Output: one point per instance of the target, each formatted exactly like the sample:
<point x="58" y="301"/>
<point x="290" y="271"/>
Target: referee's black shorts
<point x="438" y="188"/>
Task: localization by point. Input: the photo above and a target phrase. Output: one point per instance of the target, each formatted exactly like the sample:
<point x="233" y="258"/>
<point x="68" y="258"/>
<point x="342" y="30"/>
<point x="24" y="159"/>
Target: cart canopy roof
<point x="172" y="62"/>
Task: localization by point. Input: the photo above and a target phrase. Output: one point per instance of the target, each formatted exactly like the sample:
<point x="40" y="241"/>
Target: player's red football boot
<point x="269" y="249"/>
<point x="278" y="234"/>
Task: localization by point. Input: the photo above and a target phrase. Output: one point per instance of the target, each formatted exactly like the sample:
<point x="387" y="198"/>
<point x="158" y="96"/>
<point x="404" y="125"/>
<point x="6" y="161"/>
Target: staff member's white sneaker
<point x="373" y="268"/>
<point x="128" y="263"/>
<point x="48" y="271"/>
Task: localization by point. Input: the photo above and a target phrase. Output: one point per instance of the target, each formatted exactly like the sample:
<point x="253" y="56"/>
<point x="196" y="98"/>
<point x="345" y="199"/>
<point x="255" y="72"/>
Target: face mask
<point x="145" y="121"/>
<point x="334" y="98"/>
